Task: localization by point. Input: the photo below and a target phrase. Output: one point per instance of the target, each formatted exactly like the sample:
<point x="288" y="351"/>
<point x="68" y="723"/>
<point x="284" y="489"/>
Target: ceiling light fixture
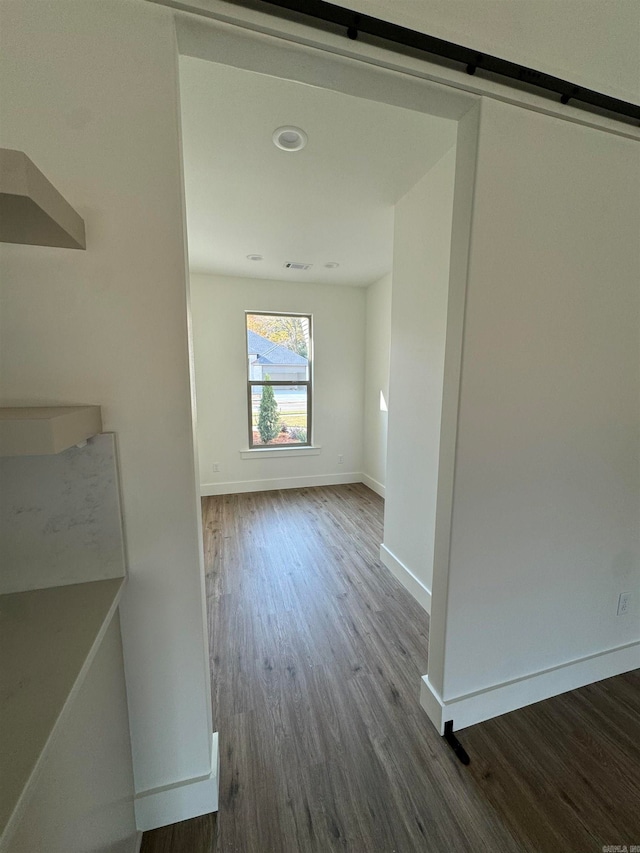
<point x="254" y="257"/>
<point x="331" y="265"/>
<point x="289" y="138"/>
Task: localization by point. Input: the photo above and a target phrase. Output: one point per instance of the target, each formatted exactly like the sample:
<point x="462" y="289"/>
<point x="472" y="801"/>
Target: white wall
<point x="546" y="502"/>
<point x="593" y="43"/>
<point x="218" y="304"/>
<point x="89" y="92"/>
<point x="422" y="242"/>
<point x="376" y="381"/>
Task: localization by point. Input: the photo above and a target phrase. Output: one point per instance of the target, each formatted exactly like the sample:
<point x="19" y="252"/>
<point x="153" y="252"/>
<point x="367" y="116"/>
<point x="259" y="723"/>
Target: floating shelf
<point x="48" y="639"/>
<point x="32" y="210"/>
<point x="39" y="430"/>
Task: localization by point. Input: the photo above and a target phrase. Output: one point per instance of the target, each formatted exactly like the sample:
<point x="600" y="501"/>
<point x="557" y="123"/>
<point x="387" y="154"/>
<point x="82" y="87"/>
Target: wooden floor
<point x="317" y="653"/>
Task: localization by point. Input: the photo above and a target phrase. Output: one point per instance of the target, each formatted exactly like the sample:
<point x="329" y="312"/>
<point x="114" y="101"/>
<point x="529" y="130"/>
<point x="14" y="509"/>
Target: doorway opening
<point x="307" y="232"/>
<point x="333" y="203"/>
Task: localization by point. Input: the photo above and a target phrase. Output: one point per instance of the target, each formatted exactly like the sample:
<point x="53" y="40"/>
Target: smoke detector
<point x="289" y="138"/>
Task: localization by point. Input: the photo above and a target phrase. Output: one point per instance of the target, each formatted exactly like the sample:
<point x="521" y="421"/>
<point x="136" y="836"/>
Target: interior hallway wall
<point x="378" y="343"/>
<point x="89" y="92"/>
<point x="546" y="502"/>
<point x="422" y="243"/>
<point x="218" y="305"/>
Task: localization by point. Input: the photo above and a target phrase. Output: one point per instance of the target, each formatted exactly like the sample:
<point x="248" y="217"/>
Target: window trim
<point x="308" y="383"/>
<point x="272" y="451"/>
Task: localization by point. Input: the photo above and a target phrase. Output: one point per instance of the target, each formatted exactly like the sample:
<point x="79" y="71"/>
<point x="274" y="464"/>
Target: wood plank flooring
<point x="317" y="653"/>
<point x="189" y="836"/>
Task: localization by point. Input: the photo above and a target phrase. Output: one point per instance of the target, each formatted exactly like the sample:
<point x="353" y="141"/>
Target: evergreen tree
<point x="268" y="418"/>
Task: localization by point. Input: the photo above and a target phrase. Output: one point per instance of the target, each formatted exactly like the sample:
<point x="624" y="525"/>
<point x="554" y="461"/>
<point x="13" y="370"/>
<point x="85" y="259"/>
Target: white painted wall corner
<point x="406" y="577"/>
<point x="374" y="485"/>
<point x="182" y="801"/>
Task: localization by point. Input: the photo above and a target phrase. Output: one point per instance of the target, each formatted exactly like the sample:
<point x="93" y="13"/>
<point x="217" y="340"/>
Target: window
<point x="279" y="350"/>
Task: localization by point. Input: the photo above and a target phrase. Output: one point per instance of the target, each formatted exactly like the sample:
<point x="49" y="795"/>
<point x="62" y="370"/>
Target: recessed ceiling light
<point x="289" y="138"/>
<point x="254" y="257"/>
<point x="331" y="265"/>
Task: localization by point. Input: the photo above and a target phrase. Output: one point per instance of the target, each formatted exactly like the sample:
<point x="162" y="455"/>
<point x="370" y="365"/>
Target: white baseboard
<point x="484" y="704"/>
<point x="406" y="577"/>
<point x="238" y="486"/>
<point x="374" y="485"/>
<point x="182" y="801"/>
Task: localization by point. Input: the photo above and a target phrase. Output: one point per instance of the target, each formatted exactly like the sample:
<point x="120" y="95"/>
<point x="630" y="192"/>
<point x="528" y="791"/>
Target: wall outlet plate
<point x="624" y="603"/>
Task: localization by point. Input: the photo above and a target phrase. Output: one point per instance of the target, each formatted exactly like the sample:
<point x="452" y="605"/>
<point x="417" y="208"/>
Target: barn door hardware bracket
<point x="472" y="67"/>
<point x="575" y="92"/>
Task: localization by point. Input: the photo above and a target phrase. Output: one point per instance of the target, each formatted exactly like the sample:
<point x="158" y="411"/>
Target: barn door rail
<point x="395" y="37"/>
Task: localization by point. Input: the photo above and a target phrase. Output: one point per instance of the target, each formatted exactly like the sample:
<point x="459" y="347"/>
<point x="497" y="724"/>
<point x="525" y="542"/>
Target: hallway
<point x="317" y="657"/>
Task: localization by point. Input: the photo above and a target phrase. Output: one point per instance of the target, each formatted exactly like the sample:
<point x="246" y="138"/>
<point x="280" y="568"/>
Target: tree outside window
<point x="279" y="387"/>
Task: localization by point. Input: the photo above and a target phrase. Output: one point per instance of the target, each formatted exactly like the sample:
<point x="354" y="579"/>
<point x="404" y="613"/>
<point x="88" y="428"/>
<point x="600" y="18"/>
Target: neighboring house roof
<point x="270" y="353"/>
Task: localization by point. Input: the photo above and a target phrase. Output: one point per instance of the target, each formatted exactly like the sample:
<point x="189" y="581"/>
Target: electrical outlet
<point x="624" y="603"/>
<point x="340" y="458"/>
<point x="216" y="467"/>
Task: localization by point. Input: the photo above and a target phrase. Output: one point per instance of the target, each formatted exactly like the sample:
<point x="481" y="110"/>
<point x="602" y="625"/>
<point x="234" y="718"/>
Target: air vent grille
<point x="294" y="265"/>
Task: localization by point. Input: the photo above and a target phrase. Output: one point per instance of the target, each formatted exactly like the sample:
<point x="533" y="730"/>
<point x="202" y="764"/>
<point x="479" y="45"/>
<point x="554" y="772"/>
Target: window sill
<point x="272" y="452"/>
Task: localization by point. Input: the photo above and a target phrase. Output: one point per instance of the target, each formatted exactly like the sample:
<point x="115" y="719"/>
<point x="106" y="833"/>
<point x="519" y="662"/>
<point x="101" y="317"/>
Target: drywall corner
<point x="463" y="194"/>
<point x="183" y="801"/>
<point x="411" y="583"/>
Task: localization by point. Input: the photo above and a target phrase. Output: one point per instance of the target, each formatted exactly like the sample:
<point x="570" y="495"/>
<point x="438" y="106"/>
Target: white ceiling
<point x="331" y="202"/>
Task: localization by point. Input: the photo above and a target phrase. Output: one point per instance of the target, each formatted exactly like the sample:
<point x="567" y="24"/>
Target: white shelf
<point x="39" y="430"/>
<point x="32" y="211"/>
<point x="48" y="639"/>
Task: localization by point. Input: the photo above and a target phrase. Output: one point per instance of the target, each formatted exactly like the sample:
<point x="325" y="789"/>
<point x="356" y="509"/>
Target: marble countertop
<point x="48" y="638"/>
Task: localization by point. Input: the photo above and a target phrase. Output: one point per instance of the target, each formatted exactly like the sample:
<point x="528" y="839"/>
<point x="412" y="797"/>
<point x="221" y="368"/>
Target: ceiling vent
<point x="293" y="265"/>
